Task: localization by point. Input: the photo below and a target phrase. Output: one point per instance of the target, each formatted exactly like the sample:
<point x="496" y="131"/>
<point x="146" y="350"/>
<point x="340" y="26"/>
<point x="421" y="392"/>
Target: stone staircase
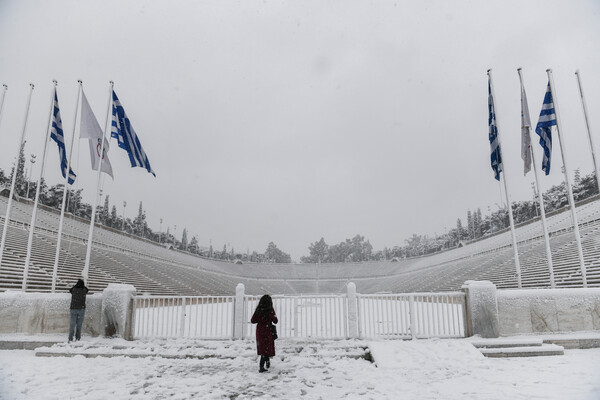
<point x="201" y="349"/>
<point x="501" y="348"/>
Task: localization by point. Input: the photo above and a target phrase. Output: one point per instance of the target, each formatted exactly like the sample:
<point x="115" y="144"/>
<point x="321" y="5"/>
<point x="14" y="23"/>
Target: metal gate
<point x="209" y="317"/>
<point x="400" y="316"/>
<point x="322" y="316"/>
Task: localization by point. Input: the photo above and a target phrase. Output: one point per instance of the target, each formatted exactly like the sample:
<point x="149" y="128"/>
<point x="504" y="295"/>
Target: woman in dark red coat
<point x="265" y="344"/>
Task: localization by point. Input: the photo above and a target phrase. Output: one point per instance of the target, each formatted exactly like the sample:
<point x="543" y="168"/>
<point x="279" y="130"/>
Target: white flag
<point x="525" y="137"/>
<point x="89" y="128"/>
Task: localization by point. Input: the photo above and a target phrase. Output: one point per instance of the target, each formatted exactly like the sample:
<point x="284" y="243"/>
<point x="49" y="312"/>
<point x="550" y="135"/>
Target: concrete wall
<point x="110" y="313"/>
<point x="35" y="313"/>
<point x="548" y="310"/>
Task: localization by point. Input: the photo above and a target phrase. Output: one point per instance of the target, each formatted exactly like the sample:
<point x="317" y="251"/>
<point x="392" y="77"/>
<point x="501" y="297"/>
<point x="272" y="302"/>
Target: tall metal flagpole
<point x="589" y="129"/>
<point x="86" y="268"/>
<point x="509" y="205"/>
<point x="540" y="197"/>
<point x="64" y="199"/>
<point x="5" y="88"/>
<point x="37" y="192"/>
<point x="14" y="178"/>
<point x="568" y="184"/>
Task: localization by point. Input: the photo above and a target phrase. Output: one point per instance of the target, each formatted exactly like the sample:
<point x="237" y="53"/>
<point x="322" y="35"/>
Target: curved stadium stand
<point x="154" y="269"/>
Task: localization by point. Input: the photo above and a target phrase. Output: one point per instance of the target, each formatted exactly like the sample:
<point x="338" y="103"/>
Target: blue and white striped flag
<point x="126" y="136"/>
<point x="56" y="134"/>
<point x="496" y="157"/>
<point x="544" y="128"/>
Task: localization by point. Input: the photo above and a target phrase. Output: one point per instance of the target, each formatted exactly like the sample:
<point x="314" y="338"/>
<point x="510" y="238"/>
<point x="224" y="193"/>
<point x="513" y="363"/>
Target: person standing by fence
<point x="78" y="293"/>
<point x="264" y="316"/>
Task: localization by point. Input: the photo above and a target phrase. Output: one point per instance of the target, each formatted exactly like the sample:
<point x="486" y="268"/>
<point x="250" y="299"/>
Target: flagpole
<point x="5" y="88"/>
<point x="64" y="199"/>
<point x="37" y="192"/>
<point x="510" y="213"/>
<point x="589" y="129"/>
<point x="568" y="184"/>
<point x="88" y="253"/>
<point x="14" y="177"/>
<point x="541" y="202"/>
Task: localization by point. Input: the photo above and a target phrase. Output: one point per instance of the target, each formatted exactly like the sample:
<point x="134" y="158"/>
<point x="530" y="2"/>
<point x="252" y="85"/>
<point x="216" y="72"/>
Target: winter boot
<point x="268" y="362"/>
<point x="262" y="364"/>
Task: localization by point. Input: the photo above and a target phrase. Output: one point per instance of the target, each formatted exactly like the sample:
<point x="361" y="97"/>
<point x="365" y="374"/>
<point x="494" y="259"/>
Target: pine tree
<point x="184" y="241"/>
<point x="470" y="224"/>
<point x="139" y="223"/>
<point x="104" y="216"/>
<point x="193" y="247"/>
<point x="114" y="218"/>
<point x="20" y="181"/>
<point x="224" y="253"/>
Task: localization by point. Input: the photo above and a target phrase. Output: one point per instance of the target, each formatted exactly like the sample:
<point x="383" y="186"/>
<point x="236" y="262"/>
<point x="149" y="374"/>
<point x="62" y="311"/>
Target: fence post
<point x="352" y="311"/>
<point x="412" y="312"/>
<point x="296" y="325"/>
<point x="182" y="324"/>
<point x="118" y="310"/>
<point x="481" y="309"/>
<point x="238" y="312"/>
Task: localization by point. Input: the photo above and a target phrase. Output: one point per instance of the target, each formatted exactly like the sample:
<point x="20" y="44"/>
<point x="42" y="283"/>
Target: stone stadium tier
<point x="154" y="269"/>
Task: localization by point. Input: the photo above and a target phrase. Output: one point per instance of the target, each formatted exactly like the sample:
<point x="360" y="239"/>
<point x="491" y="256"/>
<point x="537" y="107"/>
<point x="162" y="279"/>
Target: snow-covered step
<point x="520" y="351"/>
<point x="498" y="343"/>
<point x="575" y="343"/>
<point x="187" y="348"/>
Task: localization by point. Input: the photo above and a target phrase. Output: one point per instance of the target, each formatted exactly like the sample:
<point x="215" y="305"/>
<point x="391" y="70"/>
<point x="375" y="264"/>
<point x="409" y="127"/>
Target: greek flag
<point x="544" y="128"/>
<point x="56" y="134"/>
<point x="496" y="157"/>
<point x="126" y="136"/>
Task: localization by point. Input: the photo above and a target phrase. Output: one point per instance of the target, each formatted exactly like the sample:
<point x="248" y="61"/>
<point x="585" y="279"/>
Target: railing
<point x="208" y="317"/>
<point x="415" y="315"/>
<point x="322" y="316"/>
<point x="400" y="316"/>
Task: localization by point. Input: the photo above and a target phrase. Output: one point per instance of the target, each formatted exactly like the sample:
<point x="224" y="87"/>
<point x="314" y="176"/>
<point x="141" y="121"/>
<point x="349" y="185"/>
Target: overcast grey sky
<point x="291" y="121"/>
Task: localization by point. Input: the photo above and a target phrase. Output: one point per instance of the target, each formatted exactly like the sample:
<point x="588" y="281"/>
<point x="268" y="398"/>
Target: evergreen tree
<point x="114" y="218"/>
<point x="184" y="240"/>
<point x="274" y="255"/>
<point x="470" y="225"/>
<point x="139" y="223"/>
<point x="318" y="252"/>
<point x="477" y="223"/>
<point x="194" y="247"/>
<point x="20" y="181"/>
<point x="224" y="253"/>
<point x="104" y="215"/>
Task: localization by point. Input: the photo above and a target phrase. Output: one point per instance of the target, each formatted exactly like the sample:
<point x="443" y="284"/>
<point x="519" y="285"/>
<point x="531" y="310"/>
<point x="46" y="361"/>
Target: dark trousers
<point x="76" y="320"/>
<point x="263" y="360"/>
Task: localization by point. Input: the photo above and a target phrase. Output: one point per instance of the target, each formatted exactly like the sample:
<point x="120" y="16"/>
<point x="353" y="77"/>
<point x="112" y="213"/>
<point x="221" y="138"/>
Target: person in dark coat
<point x="78" y="293"/>
<point x="265" y="344"/>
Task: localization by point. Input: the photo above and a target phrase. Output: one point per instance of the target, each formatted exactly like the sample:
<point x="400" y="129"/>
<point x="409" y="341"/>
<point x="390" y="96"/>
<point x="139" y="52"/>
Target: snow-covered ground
<point x="422" y="369"/>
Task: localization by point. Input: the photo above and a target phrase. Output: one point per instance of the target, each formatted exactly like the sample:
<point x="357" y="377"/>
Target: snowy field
<point x="422" y="369"/>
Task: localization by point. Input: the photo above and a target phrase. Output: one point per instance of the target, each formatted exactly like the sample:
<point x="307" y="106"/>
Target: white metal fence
<point x="416" y="315"/>
<point x="209" y="317"/>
